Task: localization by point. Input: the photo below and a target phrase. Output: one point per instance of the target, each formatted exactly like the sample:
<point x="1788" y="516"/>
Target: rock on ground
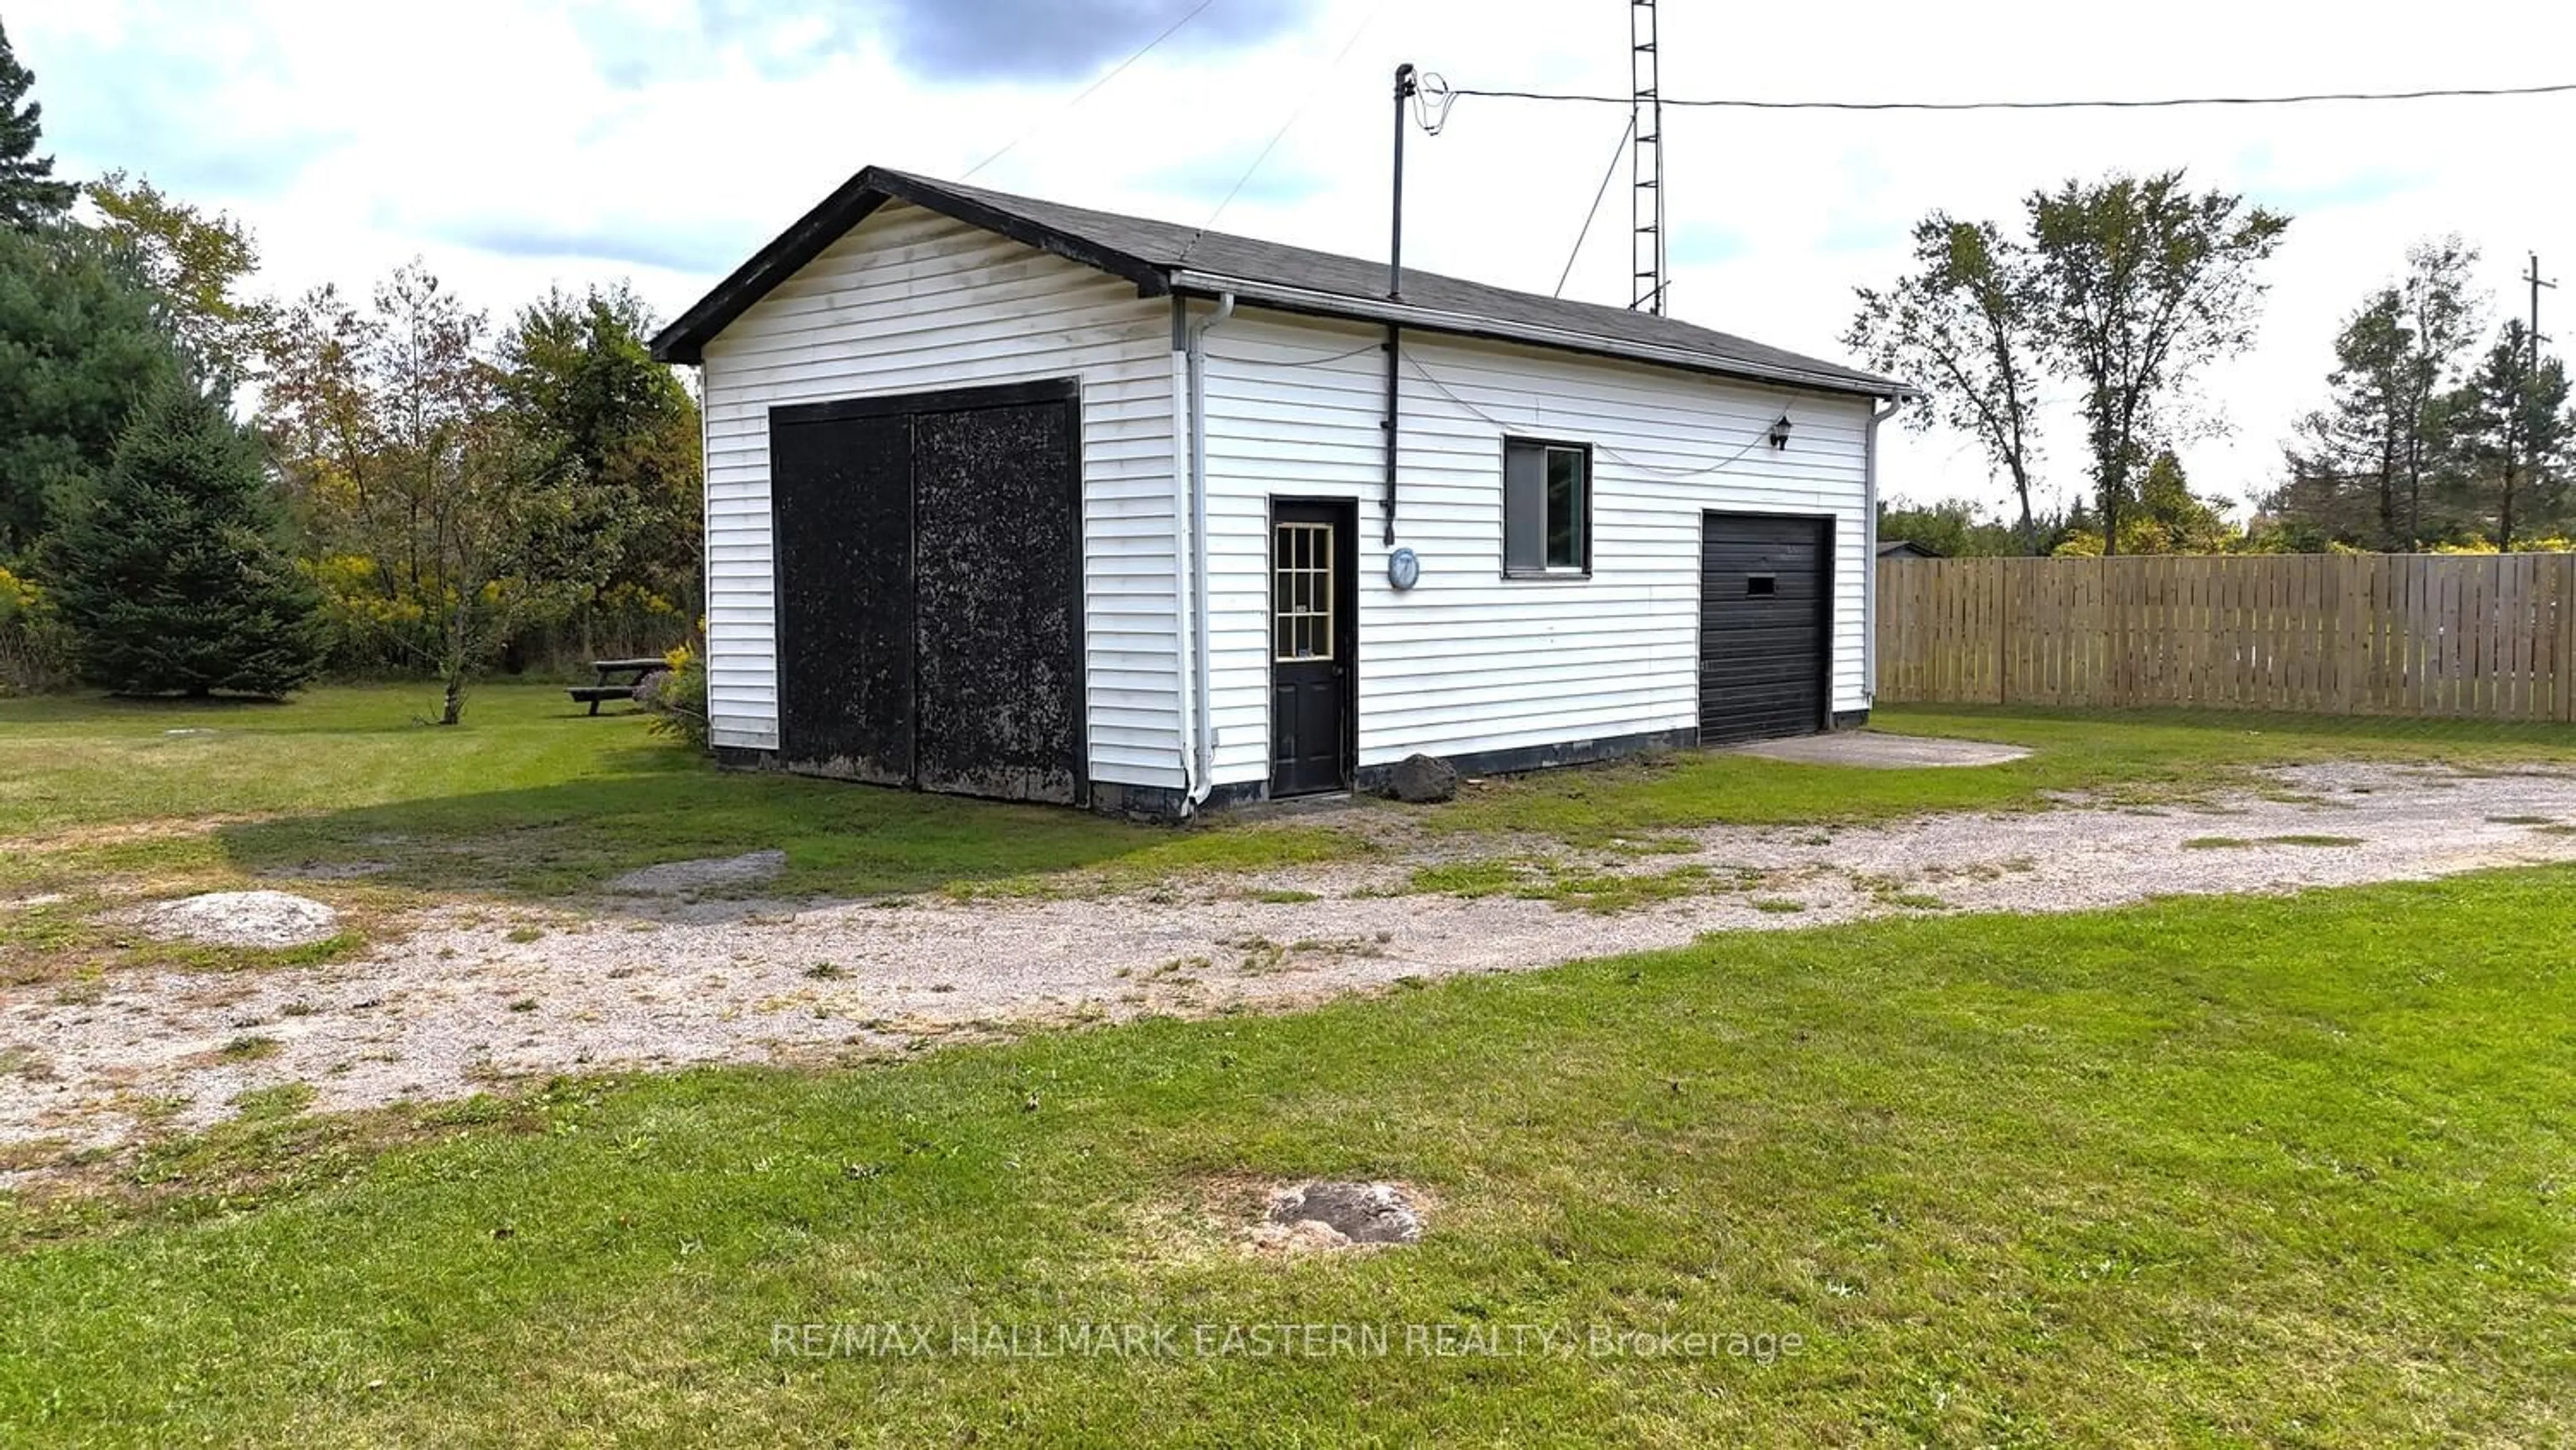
<point x="1354" y="1213"/>
<point x="243" y="919"/>
<point x="678" y="878"/>
<point x="1422" y="779"/>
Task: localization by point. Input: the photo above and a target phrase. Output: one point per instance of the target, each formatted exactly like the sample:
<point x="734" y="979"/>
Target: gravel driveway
<point x="476" y="997"/>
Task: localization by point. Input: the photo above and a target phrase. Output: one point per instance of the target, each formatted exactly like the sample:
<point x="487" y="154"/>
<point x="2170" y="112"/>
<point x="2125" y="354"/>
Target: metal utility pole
<point x="1646" y="158"/>
<point x="1405" y="87"/>
<point x="2537" y="282"/>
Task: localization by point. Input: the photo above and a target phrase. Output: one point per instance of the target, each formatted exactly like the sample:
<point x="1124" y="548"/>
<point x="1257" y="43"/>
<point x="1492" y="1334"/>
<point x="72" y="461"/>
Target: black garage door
<point x="1765" y="594"/>
<point x="930" y="590"/>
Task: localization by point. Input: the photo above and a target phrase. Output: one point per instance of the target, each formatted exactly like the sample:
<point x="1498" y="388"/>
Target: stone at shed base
<point x="1422" y="780"/>
<point x="1350" y="1213"/>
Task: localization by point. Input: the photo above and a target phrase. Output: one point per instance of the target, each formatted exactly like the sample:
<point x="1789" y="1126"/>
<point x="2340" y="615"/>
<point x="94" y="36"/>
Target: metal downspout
<point x="1204" y="732"/>
<point x="1869" y="555"/>
<point x="1182" y="740"/>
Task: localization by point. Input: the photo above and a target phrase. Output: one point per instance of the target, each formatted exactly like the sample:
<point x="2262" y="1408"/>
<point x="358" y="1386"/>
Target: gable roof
<point x="1162" y="258"/>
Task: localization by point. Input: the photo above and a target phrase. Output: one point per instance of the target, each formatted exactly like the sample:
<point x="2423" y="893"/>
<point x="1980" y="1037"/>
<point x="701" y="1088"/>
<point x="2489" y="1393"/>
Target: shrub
<point x="678" y="697"/>
<point x="35" y="649"/>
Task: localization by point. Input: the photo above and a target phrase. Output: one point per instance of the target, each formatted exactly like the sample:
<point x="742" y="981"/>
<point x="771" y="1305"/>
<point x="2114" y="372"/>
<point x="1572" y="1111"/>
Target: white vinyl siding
<point x="1468" y="660"/>
<point x="910" y="301"/>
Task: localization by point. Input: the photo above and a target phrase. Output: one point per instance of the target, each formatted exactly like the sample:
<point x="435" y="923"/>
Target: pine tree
<point x="170" y="568"/>
<point x="2514" y="439"/>
<point x="80" y="346"/>
<point x="29" y="194"/>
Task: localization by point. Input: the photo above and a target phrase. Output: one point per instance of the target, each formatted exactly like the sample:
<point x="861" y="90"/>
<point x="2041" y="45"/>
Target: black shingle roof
<point x="1164" y="257"/>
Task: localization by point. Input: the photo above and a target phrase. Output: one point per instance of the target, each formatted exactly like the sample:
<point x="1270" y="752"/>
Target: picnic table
<point x="610" y="687"/>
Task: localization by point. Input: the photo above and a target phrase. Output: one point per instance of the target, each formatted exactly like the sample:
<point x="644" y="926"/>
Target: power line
<point x="2060" y="105"/>
<point x="1760" y="437"/>
<point x="1276" y="136"/>
<point x="1612" y="170"/>
<point x="1115" y="71"/>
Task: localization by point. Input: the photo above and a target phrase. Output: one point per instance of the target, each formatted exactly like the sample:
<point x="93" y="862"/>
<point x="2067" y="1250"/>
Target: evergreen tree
<point x="170" y="567"/>
<point x="2359" y="467"/>
<point x="29" y="194"/>
<point x="79" y="346"/>
<point x="2514" y="437"/>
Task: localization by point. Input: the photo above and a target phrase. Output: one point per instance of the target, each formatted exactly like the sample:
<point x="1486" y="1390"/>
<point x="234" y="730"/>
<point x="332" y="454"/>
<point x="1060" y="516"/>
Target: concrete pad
<point x="1874" y="751"/>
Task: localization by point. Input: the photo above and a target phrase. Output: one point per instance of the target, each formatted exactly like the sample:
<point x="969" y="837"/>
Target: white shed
<point x="1018" y="499"/>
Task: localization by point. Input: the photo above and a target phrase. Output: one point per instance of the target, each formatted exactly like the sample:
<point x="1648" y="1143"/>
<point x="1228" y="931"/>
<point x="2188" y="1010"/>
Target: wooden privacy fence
<point x="2491" y="636"/>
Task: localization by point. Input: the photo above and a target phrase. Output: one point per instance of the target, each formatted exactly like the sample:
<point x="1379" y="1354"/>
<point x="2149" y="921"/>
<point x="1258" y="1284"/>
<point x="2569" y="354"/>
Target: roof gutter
<point x="1432" y="319"/>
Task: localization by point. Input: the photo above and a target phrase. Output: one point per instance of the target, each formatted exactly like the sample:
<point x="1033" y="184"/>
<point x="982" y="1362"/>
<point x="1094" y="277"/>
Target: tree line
<point x="204" y="489"/>
<point x="2121" y="292"/>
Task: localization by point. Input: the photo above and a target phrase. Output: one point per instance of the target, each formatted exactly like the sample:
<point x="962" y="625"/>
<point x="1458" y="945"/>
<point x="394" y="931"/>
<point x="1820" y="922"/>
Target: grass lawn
<point x="530" y="799"/>
<point x="2140" y="755"/>
<point x="2289" y="1170"/>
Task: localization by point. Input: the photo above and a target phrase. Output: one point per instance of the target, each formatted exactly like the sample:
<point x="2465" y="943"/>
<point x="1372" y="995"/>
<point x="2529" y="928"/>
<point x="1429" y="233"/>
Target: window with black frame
<point x="1547" y="509"/>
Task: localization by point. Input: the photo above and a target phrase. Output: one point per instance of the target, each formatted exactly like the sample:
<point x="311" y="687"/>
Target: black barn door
<point x="841" y="501"/>
<point x="1314" y="618"/>
<point x="1765" y="610"/>
<point x="929" y="590"/>
<point x="999" y="589"/>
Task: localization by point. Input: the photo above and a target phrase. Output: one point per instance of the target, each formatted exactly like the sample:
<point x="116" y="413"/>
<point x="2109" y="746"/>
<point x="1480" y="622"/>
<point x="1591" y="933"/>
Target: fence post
<point x="2115" y="586"/>
<point x="2563" y="668"/>
<point x="2003" y="631"/>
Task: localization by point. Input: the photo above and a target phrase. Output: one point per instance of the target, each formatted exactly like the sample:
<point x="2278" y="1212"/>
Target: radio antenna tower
<point x="1646" y="159"/>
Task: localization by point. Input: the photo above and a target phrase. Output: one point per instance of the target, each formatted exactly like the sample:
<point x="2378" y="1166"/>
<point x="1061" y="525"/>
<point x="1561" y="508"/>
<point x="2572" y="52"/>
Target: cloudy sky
<point x="514" y="145"/>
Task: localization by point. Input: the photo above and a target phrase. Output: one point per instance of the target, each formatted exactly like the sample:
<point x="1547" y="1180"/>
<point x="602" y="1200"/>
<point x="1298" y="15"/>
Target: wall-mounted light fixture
<point x="1780" y="432"/>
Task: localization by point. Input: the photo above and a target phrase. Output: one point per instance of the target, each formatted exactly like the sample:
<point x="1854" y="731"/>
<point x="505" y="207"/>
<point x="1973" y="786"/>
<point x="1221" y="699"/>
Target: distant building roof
<point x="1907" y="549"/>
<point x="1164" y="258"/>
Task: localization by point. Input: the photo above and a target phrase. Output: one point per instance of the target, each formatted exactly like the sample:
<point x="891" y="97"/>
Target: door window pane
<point x="1301" y="592"/>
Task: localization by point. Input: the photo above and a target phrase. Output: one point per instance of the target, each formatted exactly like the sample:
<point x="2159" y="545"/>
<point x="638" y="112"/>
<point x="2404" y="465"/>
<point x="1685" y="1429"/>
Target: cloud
<point x="975" y="41"/>
<point x="1053" y="40"/>
<point x="138" y="101"/>
<point x="638" y="244"/>
<point x="1698" y="246"/>
<point x="2359" y="188"/>
<point x="1207" y="179"/>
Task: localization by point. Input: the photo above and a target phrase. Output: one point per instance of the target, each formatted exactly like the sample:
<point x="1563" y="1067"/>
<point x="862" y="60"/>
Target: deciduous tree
<point x="2142" y="283"/>
<point x="1964" y="325"/>
<point x="617" y="435"/>
<point x="197" y="264"/>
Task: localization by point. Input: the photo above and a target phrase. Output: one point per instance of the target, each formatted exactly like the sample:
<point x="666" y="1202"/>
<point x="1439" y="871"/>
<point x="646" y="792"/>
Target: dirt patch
<point x="241" y="919"/>
<point x="1873" y="750"/>
<point x="329" y="870"/>
<point x="120" y="833"/>
<point x="713" y="873"/>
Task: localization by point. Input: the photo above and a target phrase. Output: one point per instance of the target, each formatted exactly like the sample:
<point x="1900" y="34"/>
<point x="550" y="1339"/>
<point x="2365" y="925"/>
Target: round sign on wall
<point x="1403" y="569"/>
